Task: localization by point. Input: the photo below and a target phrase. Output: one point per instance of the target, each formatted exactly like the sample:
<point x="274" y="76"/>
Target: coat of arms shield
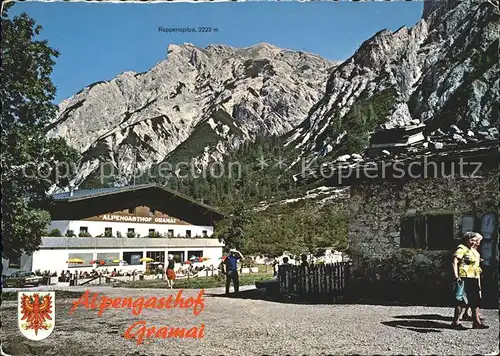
<point x="36" y="314"/>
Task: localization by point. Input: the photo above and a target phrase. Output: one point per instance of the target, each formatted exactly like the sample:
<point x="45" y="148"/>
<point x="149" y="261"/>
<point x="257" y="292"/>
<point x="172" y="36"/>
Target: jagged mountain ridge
<point x="201" y="103"/>
<point x="442" y="71"/>
<point x="197" y="104"/>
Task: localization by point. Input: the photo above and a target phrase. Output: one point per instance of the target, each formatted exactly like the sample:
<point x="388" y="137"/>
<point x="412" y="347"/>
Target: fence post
<point x="341" y="278"/>
<point x="280" y="280"/>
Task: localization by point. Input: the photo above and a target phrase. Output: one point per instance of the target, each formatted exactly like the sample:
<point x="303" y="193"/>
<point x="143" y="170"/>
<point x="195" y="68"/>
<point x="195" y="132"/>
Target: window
<point x="170" y="233"/>
<point x="152" y="212"/>
<point x="157" y="256"/>
<point x="131" y="210"/>
<point x="84" y="231"/>
<point x="188" y="233"/>
<point x="178" y="256"/>
<point x="79" y="260"/>
<point x="15" y="262"/>
<point x="132" y="258"/>
<point x="194" y="254"/>
<point x="110" y="258"/>
<point x="488" y="223"/>
<point x="108" y="231"/>
<point x="431" y="232"/>
<point x="468" y="223"/>
<point x="204" y="233"/>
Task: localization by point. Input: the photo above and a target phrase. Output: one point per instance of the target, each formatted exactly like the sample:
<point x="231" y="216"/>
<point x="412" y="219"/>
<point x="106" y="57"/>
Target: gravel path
<point x="235" y="326"/>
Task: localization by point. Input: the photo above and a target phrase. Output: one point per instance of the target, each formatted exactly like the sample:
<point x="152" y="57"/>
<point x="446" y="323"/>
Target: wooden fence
<point x="314" y="281"/>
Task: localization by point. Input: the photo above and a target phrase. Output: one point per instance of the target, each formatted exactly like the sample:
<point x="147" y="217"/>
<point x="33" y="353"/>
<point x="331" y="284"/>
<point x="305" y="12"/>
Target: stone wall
<point x="381" y="268"/>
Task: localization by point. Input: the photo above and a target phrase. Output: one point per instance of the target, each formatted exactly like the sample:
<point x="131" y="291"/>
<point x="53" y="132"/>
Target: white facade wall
<point x="96" y="228"/>
<point x="55" y="259"/>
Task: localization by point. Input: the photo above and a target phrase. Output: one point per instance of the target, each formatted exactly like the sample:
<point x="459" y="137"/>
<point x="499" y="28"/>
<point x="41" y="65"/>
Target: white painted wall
<point x="96" y="228"/>
<point x="55" y="259"/>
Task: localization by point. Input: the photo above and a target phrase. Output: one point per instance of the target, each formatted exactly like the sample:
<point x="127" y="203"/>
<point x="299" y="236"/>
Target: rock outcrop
<point x="441" y="72"/>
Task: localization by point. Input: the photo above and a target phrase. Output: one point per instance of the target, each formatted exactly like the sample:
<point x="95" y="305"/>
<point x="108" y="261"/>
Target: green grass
<point x="202" y="282"/>
<point x="60" y="294"/>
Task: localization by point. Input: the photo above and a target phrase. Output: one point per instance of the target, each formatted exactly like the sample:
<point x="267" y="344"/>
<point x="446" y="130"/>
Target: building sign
<point x="140" y="219"/>
<point x="139" y="214"/>
<point x="137" y="219"/>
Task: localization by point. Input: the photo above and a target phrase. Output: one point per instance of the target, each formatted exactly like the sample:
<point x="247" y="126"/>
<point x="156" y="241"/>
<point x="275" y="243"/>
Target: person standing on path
<point x="304" y="262"/>
<point x="465" y="315"/>
<point x="275" y="267"/>
<point x="232" y="270"/>
<point x="170" y="271"/>
<point x="466" y="268"/>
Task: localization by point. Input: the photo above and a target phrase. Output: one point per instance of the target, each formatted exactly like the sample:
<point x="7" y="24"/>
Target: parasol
<point x="146" y="259"/>
<point x="117" y="261"/>
<point x="74" y="260"/>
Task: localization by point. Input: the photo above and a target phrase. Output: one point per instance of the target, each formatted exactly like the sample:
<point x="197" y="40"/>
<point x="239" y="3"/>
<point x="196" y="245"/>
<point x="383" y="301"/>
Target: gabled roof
<point x="98" y="201"/>
<point x="80" y="194"/>
<point x="87" y="193"/>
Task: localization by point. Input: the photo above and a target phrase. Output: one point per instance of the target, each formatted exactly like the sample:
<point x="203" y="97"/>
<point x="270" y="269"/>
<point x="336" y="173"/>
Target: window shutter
<point x="407" y="234"/>
<point x="420" y="231"/>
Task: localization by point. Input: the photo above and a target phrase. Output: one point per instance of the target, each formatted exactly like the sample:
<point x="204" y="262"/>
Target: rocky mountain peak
<point x="200" y="103"/>
<point x="196" y="104"/>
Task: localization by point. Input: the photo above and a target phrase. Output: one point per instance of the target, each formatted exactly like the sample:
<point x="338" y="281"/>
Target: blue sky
<point x="98" y="41"/>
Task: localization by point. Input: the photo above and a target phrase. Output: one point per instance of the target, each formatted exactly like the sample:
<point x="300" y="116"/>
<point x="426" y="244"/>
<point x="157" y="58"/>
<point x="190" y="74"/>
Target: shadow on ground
<point x="422" y="323"/>
<point x="260" y="294"/>
<point x="425" y="317"/>
<point x="420" y="326"/>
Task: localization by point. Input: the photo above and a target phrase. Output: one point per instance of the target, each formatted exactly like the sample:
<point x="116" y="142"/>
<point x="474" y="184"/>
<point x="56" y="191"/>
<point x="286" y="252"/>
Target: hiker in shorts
<point x="170" y="271"/>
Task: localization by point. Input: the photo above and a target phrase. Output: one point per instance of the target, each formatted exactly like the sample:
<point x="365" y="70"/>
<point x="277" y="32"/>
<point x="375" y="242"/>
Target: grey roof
<point x="115" y="242"/>
<point x="89" y="193"/>
<point x="81" y="194"/>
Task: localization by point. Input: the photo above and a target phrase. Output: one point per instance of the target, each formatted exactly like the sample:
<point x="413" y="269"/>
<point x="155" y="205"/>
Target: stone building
<point x="409" y="213"/>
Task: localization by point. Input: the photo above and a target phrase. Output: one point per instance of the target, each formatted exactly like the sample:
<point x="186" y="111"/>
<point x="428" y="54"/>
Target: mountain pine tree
<point x="29" y="159"/>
